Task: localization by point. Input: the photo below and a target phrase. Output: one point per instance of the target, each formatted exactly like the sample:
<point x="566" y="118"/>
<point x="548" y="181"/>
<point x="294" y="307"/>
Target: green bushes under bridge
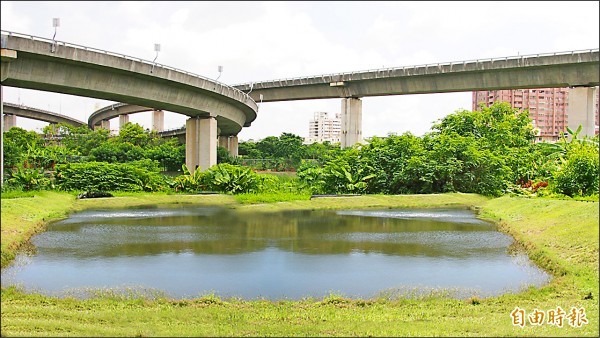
<point x="489" y="152"/>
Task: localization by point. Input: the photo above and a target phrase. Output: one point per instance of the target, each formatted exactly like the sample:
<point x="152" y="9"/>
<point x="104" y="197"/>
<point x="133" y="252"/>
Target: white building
<point x="324" y="128"/>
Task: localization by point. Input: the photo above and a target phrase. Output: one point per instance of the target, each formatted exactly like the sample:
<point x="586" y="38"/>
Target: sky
<point x="260" y="41"/>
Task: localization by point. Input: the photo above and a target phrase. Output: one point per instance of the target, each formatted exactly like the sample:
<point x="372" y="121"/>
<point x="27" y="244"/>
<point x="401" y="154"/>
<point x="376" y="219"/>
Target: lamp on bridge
<point x="258" y="105"/>
<point x="55" y="24"/>
<point x="220" y="68"/>
<point x="156" y="49"/>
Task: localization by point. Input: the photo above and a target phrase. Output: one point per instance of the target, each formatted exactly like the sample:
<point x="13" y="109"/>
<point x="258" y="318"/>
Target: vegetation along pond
<point x="190" y="252"/>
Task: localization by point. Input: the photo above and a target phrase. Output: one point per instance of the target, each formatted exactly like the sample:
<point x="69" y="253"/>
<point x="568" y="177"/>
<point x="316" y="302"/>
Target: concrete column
<point x="230" y="143"/>
<point x="123" y="119"/>
<point x="191" y="144"/>
<point x="9" y="121"/>
<point x="200" y="143"/>
<point x="158" y="120"/>
<point x="351" y="122"/>
<point x="582" y="101"/>
<point x="105" y="124"/>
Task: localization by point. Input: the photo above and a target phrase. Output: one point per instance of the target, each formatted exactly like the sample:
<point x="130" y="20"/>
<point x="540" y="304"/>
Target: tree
<point x="170" y="154"/>
<point x="17" y="141"/>
<point x="579" y="174"/>
<point x="267" y="146"/>
<point x="115" y="151"/>
<point x="501" y="129"/>
<point x="134" y="134"/>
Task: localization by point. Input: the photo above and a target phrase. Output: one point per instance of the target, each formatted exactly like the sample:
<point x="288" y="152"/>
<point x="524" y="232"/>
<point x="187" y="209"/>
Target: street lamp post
<point x="156" y="49"/>
<point x="55" y="24"/>
<point x="220" y="69"/>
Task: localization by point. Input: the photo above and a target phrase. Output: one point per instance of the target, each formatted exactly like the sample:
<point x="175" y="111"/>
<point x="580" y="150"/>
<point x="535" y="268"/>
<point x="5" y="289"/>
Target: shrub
<point x="233" y="179"/>
<point x="310" y="175"/>
<point x="188" y="181"/>
<point x="104" y="176"/>
<point x="579" y="173"/>
<point x="29" y="179"/>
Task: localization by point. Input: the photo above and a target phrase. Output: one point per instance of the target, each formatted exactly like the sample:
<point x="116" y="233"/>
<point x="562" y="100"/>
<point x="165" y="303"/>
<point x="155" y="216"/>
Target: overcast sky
<point x="256" y="41"/>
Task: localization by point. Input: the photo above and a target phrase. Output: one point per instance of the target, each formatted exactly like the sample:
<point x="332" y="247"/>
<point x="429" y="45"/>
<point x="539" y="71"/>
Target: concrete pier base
<point x="200" y="143"/>
<point x="9" y="121"/>
<point x="104" y="124"/>
<point x="230" y="143"/>
<point x="351" y="122"/>
<point x="123" y="120"/>
<point x="158" y="120"/>
<point x="582" y="101"/>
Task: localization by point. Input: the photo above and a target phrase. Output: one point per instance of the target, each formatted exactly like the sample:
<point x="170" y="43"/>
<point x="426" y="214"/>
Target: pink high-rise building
<point x="548" y="107"/>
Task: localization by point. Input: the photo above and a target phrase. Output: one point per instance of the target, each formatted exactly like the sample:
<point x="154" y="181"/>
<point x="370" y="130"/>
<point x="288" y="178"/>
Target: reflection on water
<point x="187" y="252"/>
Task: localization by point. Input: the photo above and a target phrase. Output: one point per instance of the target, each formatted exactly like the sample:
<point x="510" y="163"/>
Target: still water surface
<point x="189" y="252"/>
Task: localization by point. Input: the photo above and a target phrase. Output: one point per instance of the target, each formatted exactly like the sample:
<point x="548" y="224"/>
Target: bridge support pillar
<point x="158" y="120"/>
<point x="582" y="101"/>
<point x="200" y="143"/>
<point x="230" y="143"/>
<point x="104" y="124"/>
<point x="351" y="122"/>
<point x="9" y="121"/>
<point x="123" y="119"/>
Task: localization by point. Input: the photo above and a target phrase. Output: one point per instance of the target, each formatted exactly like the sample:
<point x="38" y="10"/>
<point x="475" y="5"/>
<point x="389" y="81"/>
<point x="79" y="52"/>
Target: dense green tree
<point x="321" y="151"/>
<point x="502" y="129"/>
<point x="578" y="167"/>
<point x="284" y="152"/>
<point x="480" y="151"/>
<point x="267" y="146"/>
<point x="170" y="154"/>
<point x="17" y="142"/>
<point x="82" y="139"/>
<point x="114" y="151"/>
<point x="133" y="133"/>
<point x="388" y="158"/>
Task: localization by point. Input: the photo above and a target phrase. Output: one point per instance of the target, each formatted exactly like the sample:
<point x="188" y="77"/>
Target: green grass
<point x="561" y="236"/>
<point x="250" y="198"/>
<point x="24" y="216"/>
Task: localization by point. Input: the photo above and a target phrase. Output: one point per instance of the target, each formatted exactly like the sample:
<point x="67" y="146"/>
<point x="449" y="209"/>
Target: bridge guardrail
<point x="172" y="130"/>
<point x="97" y="50"/>
<point x="38" y="110"/>
<point x="404" y="68"/>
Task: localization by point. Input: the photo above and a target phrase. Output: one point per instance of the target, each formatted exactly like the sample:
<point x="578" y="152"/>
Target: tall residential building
<point x="324" y="128"/>
<point x="548" y="107"/>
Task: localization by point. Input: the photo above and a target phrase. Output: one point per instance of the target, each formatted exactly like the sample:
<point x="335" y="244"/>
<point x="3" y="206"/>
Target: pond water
<point x="189" y="252"/>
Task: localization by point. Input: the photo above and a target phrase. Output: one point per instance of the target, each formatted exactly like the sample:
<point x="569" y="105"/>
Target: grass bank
<point x="561" y="236"/>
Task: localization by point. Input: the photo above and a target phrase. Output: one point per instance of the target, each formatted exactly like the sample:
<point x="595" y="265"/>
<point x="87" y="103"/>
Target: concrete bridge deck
<point x="11" y="109"/>
<point x="552" y="70"/>
<point x="47" y="65"/>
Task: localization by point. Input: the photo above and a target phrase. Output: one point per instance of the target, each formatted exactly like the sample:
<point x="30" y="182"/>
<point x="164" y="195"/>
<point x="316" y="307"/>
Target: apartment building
<point x="324" y="128"/>
<point x="548" y="107"/>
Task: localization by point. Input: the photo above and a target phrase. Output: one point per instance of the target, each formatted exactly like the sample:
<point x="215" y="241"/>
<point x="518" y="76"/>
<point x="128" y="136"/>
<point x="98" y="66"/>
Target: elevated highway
<point x="100" y="118"/>
<point x="12" y="110"/>
<point x="578" y="69"/>
<point x="43" y="64"/>
<point x="563" y="69"/>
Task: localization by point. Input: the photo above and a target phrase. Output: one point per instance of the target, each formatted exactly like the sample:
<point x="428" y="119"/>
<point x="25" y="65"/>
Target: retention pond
<point x="190" y="252"/>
